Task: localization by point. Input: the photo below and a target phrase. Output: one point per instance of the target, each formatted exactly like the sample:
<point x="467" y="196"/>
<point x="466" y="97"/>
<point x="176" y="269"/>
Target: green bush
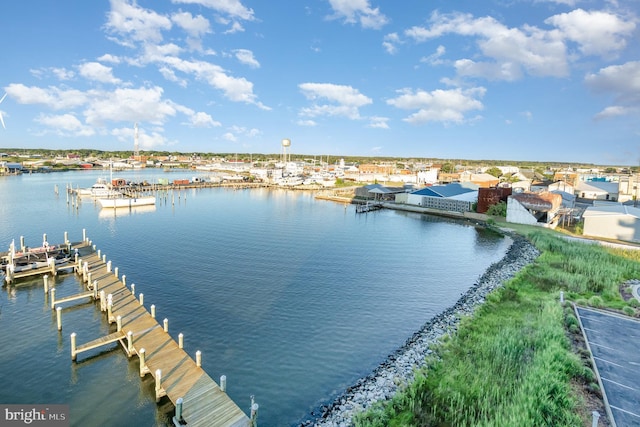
<point x="499" y="209"/>
<point x="629" y="311"/>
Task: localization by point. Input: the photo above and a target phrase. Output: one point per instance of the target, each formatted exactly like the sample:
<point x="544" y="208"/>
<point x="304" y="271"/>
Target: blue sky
<point x="545" y="80"/>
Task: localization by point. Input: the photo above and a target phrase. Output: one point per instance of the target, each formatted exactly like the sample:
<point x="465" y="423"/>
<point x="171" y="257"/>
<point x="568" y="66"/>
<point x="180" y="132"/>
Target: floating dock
<point x="198" y="399"/>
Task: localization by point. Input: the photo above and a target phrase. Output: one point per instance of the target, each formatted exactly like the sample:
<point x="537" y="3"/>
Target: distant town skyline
<point x="543" y="81"/>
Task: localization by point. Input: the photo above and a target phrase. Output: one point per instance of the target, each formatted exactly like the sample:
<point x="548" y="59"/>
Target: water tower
<point x="286" y="151"/>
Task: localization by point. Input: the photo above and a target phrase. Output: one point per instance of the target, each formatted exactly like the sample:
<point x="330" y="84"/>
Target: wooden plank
<point x="74" y="297"/>
<point x="99" y="342"/>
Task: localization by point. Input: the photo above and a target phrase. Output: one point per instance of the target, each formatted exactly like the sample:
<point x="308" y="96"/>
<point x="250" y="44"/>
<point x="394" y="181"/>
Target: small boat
<point x="100" y="189"/>
<point x="122" y="201"/>
<point x="34" y="258"/>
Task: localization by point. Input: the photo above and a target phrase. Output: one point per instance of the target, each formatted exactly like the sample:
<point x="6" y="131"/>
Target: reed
<point x="512" y="363"/>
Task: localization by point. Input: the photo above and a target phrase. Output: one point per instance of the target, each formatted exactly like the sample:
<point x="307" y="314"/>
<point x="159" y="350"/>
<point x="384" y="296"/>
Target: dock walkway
<point x="177" y="375"/>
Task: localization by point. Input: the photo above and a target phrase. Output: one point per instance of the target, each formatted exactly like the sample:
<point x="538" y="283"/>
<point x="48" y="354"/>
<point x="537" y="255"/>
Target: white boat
<point x="34" y="258"/>
<point x="122" y="201"/>
<point x="100" y="189"/>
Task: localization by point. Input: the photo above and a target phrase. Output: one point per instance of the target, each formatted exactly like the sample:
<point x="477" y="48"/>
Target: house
<point x="598" y="190"/>
<point x="612" y="221"/>
<point x="482" y="180"/>
<point x="534" y="208"/>
<point x="454" y="197"/>
<point x="379" y="192"/>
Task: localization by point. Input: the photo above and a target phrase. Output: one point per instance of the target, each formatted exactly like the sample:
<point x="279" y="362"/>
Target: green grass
<point x="512" y="363"/>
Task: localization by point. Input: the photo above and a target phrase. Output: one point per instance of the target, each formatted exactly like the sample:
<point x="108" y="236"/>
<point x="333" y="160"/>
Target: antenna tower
<point x="136" y="148"/>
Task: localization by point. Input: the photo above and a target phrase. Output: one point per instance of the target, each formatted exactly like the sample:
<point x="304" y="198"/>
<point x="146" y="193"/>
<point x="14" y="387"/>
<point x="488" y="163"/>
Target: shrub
<point x="596" y="301"/>
<point x="499" y="209"/>
<point x="629" y="311"/>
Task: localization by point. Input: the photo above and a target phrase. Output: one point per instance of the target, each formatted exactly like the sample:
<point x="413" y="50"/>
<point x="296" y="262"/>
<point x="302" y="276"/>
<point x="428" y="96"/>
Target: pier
<point x="198" y="399"/>
<point x="368" y="207"/>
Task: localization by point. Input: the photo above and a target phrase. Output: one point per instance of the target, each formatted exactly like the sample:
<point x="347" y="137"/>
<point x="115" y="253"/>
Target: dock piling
<point x="165" y="323"/>
<point x="178" y="417"/>
<point x="180" y="340"/>
<point x="22" y="247"/>
<point x="73" y="346"/>
<point x="199" y="359"/>
<point x="159" y="390"/>
<point x="119" y="323"/>
<point x="124" y="280"/>
<point x="153" y="311"/>
<point x="84" y="235"/>
<point x="141" y="299"/>
<point x="59" y="317"/>
<point x="103" y="301"/>
<point x="53" y="298"/>
<point x="109" y="307"/>
<point x="129" y="344"/>
<point x="45" y="278"/>
<point x="115" y="272"/>
<point x="142" y="354"/>
<point x="254" y="414"/>
<point x="223" y="383"/>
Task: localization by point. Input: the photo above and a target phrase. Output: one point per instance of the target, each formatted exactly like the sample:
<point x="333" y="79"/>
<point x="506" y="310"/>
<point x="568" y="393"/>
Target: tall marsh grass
<point x="511" y="364"/>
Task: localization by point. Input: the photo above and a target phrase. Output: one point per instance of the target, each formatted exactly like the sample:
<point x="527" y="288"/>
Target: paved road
<point x="614" y="342"/>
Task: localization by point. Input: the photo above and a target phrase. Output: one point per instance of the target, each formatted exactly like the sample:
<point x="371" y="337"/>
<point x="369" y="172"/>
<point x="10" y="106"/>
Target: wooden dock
<point x="198" y="399"/>
<point x="368" y="207"/>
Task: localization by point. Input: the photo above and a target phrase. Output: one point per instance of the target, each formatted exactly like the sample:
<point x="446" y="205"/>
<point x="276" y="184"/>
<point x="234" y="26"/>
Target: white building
<point x="612" y="221"/>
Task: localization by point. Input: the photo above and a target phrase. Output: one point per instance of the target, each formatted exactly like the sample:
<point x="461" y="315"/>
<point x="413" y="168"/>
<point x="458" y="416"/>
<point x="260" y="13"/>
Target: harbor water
<point x="291" y="298"/>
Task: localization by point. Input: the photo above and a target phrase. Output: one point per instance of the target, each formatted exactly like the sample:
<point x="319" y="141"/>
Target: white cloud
<point x="358" y="11"/>
<point x="128" y="105"/>
<point x="236" y="89"/>
<point x="146" y="141"/>
<point x="510" y="52"/>
<point x="52" y="97"/>
<point x="309" y="123"/>
<point x="195" y="26"/>
<point x="97" y="72"/>
<point x="595" y="32"/>
<point x="346" y="100"/>
<point x="620" y="81"/>
<point x="233" y="8"/>
<point x="446" y="106"/>
<point x="378" y="122"/>
<point x="65" y="125"/>
<point x="565" y="2"/>
<point x="107" y="57"/>
<point x="615" y="111"/>
<point x="246" y="57"/>
<point x="229" y="137"/>
<point x="434" y="58"/>
<point x="203" y="120"/>
<point x="141" y="25"/>
<point x="391" y="42"/>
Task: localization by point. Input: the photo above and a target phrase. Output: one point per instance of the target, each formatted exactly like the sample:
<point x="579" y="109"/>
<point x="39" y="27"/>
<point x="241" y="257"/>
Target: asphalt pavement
<point x="614" y="342"/>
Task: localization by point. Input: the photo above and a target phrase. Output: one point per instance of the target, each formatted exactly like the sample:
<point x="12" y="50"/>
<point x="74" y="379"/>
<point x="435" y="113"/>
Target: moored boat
<point x="122" y="201"/>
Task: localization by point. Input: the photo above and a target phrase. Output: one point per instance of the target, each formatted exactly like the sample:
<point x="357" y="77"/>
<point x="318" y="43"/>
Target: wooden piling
<point x="73" y="346"/>
<point x="59" y="317"/>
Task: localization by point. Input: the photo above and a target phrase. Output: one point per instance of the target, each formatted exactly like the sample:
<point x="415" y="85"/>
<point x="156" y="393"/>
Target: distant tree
<point x="610" y="170"/>
<point x="447" y="168"/>
<point x="495" y="171"/>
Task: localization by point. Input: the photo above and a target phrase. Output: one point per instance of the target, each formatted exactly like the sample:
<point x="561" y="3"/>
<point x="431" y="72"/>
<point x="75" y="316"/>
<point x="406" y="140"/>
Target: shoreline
<point x="399" y="367"/>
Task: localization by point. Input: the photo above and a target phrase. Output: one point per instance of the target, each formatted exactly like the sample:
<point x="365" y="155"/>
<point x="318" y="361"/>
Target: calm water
<point x="291" y="298"/>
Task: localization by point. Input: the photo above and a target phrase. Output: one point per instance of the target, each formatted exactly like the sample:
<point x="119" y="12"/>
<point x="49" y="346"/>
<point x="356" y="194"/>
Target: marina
<point x="199" y="400"/>
<point x="291" y="298"/>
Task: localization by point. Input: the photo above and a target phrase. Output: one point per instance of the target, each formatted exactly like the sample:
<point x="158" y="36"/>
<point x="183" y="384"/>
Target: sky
<point x="538" y="80"/>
